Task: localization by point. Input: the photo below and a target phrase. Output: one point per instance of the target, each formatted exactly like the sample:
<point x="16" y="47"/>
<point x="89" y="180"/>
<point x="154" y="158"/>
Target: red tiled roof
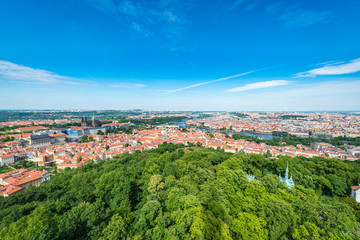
<point x="30" y="128"/>
<point x="6" y="156"/>
<point x="24" y="177"/>
<point x="58" y="135"/>
<point x="9" y="189"/>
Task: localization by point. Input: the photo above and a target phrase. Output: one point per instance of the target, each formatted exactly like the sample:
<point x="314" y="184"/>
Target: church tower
<point x="93" y="122"/>
<point x="289" y="181"/>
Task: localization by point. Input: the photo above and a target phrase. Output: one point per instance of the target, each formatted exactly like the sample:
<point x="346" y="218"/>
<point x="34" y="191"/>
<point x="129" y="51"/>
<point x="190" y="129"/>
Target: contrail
<point x="204" y="83"/>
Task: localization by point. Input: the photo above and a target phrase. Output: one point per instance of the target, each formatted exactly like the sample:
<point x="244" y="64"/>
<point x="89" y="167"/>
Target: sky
<point x="218" y="55"/>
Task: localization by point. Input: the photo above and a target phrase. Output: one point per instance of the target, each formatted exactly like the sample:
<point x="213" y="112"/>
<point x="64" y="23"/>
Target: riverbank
<point x="266" y="136"/>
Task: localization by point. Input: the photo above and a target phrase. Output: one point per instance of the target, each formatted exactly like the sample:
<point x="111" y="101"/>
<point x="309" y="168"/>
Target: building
<point x="94" y="130"/>
<point x="289" y="181"/>
<point x="39" y="140"/>
<point x="355" y="193"/>
<point x="58" y="138"/>
<point x="77" y="161"/>
<point x="355" y="151"/>
<point x="92" y="123"/>
<point x="44" y="159"/>
<point x="33" y="128"/>
<point x="73" y="131"/>
<point x="7" y="159"/>
<point x="20" y="179"/>
<point x="118" y="125"/>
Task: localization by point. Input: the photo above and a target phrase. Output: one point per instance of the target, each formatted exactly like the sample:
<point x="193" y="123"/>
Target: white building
<point x="6" y="159"/>
<point x="355" y="192"/>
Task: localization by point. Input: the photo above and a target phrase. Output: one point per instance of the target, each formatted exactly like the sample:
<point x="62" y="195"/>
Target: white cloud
<point x="321" y="96"/>
<point x="128" y="85"/>
<point x="258" y="85"/>
<point x="208" y="82"/>
<point x="13" y="72"/>
<point x="333" y="69"/>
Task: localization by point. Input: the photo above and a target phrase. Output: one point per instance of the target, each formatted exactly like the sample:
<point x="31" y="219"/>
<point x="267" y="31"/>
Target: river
<point x="229" y="132"/>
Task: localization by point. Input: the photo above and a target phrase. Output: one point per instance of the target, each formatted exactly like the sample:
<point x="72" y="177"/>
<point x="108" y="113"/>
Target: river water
<point x="229" y="132"/>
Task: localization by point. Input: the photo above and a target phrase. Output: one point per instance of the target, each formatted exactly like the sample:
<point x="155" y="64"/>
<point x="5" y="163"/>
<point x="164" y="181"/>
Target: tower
<point x="93" y="123"/>
<point x="289" y="181"/>
<point x="83" y="122"/>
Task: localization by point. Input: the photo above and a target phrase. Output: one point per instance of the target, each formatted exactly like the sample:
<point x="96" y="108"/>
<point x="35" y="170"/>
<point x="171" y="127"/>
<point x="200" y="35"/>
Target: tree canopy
<point x="178" y="192"/>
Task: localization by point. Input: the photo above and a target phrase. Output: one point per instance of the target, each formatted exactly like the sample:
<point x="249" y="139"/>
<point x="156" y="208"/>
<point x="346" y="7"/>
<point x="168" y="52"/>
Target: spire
<point x="287" y="172"/>
<point x="289" y="181"/>
<point x="93" y="117"/>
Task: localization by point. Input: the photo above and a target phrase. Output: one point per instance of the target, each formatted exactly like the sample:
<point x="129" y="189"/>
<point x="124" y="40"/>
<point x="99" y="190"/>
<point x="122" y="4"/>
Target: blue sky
<point x="242" y="55"/>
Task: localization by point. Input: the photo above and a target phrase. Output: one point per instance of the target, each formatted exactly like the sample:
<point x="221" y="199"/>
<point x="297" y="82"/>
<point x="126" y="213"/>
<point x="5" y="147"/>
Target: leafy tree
<point x="306" y="231"/>
<point x="116" y="229"/>
<point x="279" y="216"/>
<point x="71" y="225"/>
<point x="248" y="226"/>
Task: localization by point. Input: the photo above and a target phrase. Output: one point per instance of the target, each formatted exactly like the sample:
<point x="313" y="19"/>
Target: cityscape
<point x="169" y="119"/>
<point x="55" y="145"/>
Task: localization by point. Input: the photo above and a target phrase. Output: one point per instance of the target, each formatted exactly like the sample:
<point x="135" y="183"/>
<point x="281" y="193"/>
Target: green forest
<point x="178" y="192"/>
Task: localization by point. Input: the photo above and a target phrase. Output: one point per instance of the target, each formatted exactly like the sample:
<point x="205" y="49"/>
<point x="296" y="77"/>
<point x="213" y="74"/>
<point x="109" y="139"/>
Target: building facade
<point x="20" y="179"/>
<point x="7" y="159"/>
<point x="355" y="193"/>
<point x="39" y="140"/>
<point x="90" y="123"/>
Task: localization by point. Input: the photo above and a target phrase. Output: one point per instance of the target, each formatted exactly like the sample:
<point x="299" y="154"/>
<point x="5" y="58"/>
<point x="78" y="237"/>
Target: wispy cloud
<point x="128" y="85"/>
<point x="294" y="16"/>
<point x="328" y="95"/>
<point x="258" y="85"/>
<point x="149" y="18"/>
<point x="304" y="18"/>
<point x="208" y="82"/>
<point x="247" y="5"/>
<point x="13" y="72"/>
<point x="235" y="4"/>
<point x="333" y="69"/>
<point x="328" y="88"/>
<point x="326" y="63"/>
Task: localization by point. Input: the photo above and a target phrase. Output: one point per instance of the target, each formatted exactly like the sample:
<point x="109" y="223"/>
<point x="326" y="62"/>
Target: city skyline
<point x="180" y="55"/>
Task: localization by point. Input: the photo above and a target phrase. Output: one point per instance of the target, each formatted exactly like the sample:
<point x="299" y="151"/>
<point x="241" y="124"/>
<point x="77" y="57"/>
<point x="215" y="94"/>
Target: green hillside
<point x="175" y="192"/>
